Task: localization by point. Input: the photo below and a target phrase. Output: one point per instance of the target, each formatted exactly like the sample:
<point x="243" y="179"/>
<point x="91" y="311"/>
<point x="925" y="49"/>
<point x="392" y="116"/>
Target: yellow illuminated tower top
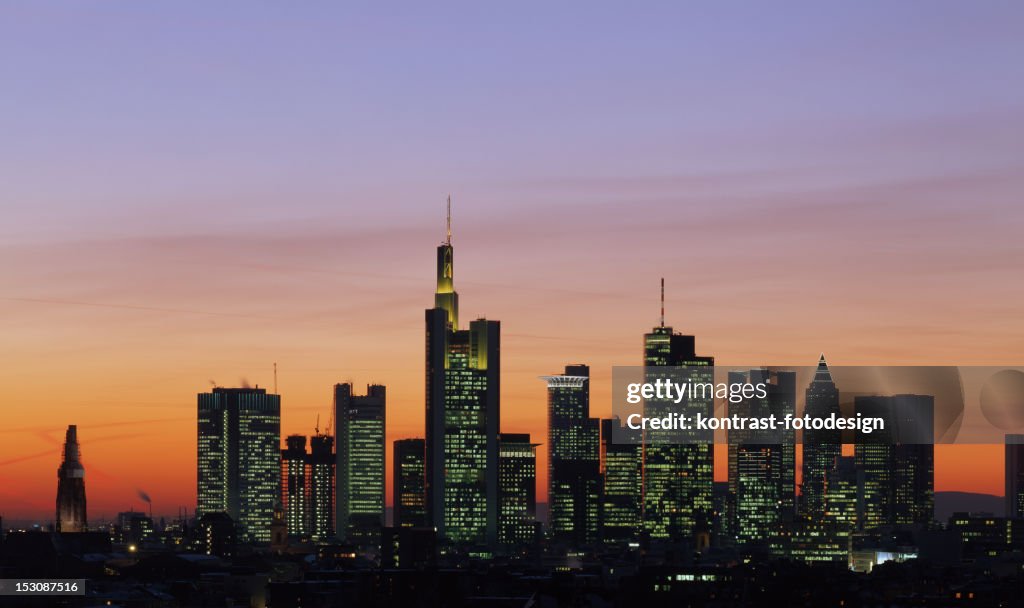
<point x="446" y="297"/>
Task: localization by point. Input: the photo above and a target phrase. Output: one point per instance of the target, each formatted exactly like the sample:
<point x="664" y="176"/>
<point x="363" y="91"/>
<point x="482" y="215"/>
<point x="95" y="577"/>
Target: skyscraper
<point x="897" y="463"/>
<point x="762" y="464"/>
<point x="517" y="482"/>
<point x="408" y="495"/>
<point x="840" y="495"/>
<point x="622" y="477"/>
<point x="678" y="464"/>
<point x="360" y="432"/>
<point x="295" y="490"/>
<point x="239" y="471"/>
<point x="321" y="479"/>
<point x="574" y="464"/>
<point x="71" y="486"/>
<point x="462" y="415"/>
<point x="1014" y="473"/>
<point x="821" y="447"/>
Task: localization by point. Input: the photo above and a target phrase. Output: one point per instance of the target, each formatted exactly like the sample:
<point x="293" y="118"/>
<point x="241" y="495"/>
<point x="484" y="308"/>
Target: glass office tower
<point x="360" y="431"/>
<point x="462" y="416"/>
<point x="408" y="495"/>
<point x="239" y="456"/>
<point x="574" y="465"/>
<point x="678" y="484"/>
<point x="517" y="495"/>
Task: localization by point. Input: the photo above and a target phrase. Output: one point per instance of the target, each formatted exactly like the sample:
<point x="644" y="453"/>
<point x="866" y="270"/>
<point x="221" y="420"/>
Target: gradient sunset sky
<point x="190" y="192"/>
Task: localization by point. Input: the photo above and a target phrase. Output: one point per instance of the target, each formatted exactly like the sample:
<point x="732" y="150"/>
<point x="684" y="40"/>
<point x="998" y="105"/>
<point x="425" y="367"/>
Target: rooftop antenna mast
<point x="275" y="377"/>
<point x="663" y="301"/>
<point x="448" y="238"/>
<point x="317" y="427"/>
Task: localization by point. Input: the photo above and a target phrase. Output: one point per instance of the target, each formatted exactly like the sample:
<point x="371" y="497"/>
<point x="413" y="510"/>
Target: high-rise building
<point x="821" y="447"/>
<point x="462" y="416"/>
<point x="517" y="483"/>
<point x="840" y="494"/>
<point x="1014" y="473"/>
<point x="307" y="492"/>
<point x="71" y="486"/>
<point x="678" y="479"/>
<point x="622" y="477"/>
<point x="239" y="458"/>
<point x="360" y="432"/>
<point x="295" y="490"/>
<point x="321" y="478"/>
<point x="762" y="464"/>
<point x="574" y="462"/>
<point x="408" y="488"/>
<point x="897" y="463"/>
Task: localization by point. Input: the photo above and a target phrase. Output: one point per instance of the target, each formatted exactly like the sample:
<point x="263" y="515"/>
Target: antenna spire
<point x="663" y="301"/>
<point x="448" y="239"/>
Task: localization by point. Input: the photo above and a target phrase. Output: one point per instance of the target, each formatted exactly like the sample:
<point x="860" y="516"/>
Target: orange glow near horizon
<point x="118" y="337"/>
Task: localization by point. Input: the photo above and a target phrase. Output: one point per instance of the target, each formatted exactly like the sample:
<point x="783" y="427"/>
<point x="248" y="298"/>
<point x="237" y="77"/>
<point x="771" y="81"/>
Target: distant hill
<point x="947" y="503"/>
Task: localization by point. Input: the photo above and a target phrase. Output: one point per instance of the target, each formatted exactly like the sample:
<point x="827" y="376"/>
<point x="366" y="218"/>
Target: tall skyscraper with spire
<point x="462" y="414"/>
<point x="71" y="486"/>
<point x="678" y="471"/>
<point x="822" y="447"/>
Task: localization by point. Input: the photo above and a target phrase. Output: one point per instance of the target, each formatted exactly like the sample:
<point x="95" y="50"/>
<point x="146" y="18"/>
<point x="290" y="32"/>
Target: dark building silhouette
<point x="1014" y="473"/>
<point x="216" y="535"/>
<point x="360" y="432"/>
<point x="409" y="500"/>
<point x="408" y="548"/>
<point x="821" y="447"/>
<point x="517" y="483"/>
<point x="897" y="463"/>
<point x="622" y="482"/>
<point x="462" y="416"/>
<point x="239" y="458"/>
<point x="574" y="461"/>
<point x="71" y="513"/>
<point x="840" y="494"/>
<point x="678" y="474"/>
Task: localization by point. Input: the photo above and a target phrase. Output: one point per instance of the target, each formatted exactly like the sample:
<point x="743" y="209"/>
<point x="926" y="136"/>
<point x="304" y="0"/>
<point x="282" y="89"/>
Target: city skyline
<point x="447" y="302"/>
<point x="847" y="181"/>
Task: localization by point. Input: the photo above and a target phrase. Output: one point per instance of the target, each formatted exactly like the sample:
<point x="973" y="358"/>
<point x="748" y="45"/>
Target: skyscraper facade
<point x="408" y="493"/>
<point x="462" y="416"/>
<point x="71" y="512"/>
<point x="321" y="492"/>
<point x="762" y="464"/>
<point x="1014" y="475"/>
<point x="821" y="447"/>
<point x="840" y="494"/>
<point x="574" y="464"/>
<point x="239" y="472"/>
<point x="360" y="433"/>
<point x="678" y="482"/>
<point x="517" y="483"/>
<point x="897" y="463"/>
<point x="622" y="482"/>
<point x="295" y="489"/>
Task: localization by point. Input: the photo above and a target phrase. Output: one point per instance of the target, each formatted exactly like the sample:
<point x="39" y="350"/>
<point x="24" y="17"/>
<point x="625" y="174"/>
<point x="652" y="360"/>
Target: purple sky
<point x="193" y="191"/>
